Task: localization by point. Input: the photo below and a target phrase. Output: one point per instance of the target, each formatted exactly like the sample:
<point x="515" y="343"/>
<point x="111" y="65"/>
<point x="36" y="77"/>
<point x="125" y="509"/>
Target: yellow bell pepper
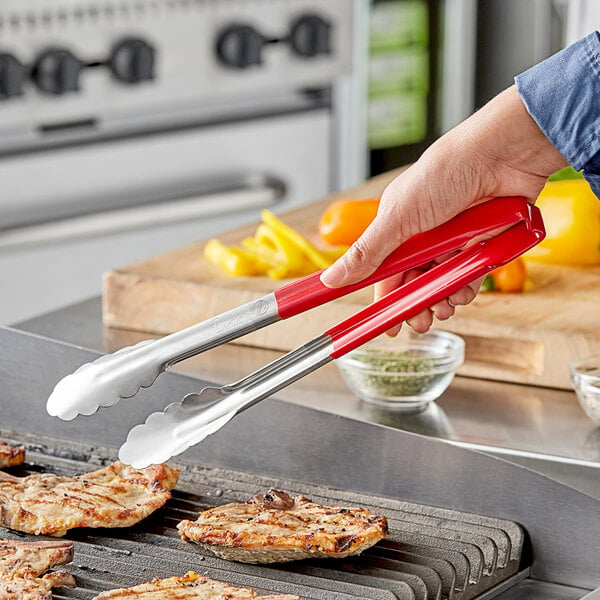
<point x="275" y="250"/>
<point x="234" y="261"/>
<point x="571" y="214"/>
<point x="291" y="259"/>
<point x="298" y="240"/>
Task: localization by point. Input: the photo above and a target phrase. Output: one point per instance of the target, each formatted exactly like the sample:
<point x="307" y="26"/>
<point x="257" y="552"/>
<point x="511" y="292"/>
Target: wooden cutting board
<point x="523" y="338"/>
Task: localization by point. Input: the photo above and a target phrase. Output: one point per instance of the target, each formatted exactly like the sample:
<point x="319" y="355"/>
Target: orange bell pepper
<point x="343" y="221"/>
<point x="510" y="277"/>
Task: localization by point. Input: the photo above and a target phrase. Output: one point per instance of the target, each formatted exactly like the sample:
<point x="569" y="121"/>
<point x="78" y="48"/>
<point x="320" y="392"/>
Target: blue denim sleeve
<point x="562" y="94"/>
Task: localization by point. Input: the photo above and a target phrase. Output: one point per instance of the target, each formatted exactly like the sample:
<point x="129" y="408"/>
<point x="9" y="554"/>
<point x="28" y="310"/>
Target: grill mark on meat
<point x="188" y="587"/>
<point x="114" y="496"/>
<point x="22" y="563"/>
<point x="254" y="532"/>
<point x="274" y="500"/>
<point x="11" y="456"/>
<point x="344" y="542"/>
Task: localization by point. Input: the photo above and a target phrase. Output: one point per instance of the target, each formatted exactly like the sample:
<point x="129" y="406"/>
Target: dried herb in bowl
<point x="403" y="374"/>
<point x="400" y="374"/>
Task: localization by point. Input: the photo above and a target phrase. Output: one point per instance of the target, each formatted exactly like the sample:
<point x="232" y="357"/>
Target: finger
<point x="362" y="258"/>
<point x="443" y="310"/>
<point x="396" y="220"/>
<point x="383" y="288"/>
<point x="394" y="331"/>
<point x="421" y="322"/>
<point x="465" y="295"/>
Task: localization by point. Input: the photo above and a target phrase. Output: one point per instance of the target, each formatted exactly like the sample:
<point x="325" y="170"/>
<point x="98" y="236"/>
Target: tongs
<point x="475" y="242"/>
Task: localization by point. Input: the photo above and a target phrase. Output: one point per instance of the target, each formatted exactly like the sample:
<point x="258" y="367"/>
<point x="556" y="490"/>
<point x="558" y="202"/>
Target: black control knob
<point x="240" y="46"/>
<point x="132" y="61"/>
<point x="12" y="74"/>
<point x="57" y="72"/>
<point x="310" y="36"/>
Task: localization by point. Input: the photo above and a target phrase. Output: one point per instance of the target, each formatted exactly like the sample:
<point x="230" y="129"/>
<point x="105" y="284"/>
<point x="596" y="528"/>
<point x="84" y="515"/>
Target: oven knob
<point x="12" y="73"/>
<point x="240" y="46"/>
<point x="132" y="61"/>
<point x="311" y="36"/>
<point x="57" y="72"/>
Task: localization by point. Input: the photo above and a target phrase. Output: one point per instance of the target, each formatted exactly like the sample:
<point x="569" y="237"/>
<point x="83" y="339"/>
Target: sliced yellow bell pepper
<point x="571" y="214"/>
<point x="298" y="240"/>
<point x="262" y="251"/>
<point x="275" y="250"/>
<point x="291" y="258"/>
<point x="234" y="261"/>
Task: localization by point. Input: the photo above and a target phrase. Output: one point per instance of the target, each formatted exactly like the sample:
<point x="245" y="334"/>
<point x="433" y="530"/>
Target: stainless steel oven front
<point x="131" y="127"/>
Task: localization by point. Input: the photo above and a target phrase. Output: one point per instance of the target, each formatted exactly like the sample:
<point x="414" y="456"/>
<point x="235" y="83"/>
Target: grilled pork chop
<point x="278" y="528"/>
<point x="11" y="456"/>
<point x="189" y="586"/>
<point x="115" y="496"/>
<point x="21" y="564"/>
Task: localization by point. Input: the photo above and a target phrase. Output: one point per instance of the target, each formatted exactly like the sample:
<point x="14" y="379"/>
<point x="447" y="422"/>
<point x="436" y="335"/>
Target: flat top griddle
<point x="330" y="459"/>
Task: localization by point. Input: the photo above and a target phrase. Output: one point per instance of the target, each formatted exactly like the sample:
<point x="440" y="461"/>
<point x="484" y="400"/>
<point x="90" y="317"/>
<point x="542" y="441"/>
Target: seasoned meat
<point x="22" y="563"/>
<point x="191" y="585"/>
<point x="30" y="559"/>
<point x="40" y="588"/>
<point x="115" y="496"/>
<point x="278" y="528"/>
<point x="11" y="456"/>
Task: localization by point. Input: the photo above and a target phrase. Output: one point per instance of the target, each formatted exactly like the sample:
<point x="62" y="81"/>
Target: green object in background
<point x="399" y="23"/>
<point x="396" y="119"/>
<point x="488" y="285"/>
<point x="566" y="173"/>
<point x="399" y="71"/>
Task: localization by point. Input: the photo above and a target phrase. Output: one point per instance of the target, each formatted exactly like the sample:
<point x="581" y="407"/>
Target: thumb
<point x="400" y="215"/>
<point x="364" y="256"/>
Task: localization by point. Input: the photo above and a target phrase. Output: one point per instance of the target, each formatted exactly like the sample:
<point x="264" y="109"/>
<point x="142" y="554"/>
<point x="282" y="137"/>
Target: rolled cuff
<point x="562" y="94"/>
<point x="594" y="180"/>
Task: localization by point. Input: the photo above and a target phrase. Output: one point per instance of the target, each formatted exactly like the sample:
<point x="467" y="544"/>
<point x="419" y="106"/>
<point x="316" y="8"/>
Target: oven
<point x="463" y="525"/>
<point x="129" y="127"/>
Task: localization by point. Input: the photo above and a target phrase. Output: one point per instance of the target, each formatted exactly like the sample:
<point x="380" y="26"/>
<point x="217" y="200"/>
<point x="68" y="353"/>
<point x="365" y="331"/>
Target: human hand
<point x="498" y="151"/>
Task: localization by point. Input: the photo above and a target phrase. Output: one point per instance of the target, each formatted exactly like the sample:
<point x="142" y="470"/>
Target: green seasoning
<point x="387" y="375"/>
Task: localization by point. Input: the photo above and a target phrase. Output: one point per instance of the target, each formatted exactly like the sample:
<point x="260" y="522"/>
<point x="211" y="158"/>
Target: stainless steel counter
<point x="540" y="428"/>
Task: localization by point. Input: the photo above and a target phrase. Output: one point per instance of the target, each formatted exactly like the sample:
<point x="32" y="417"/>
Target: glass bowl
<point x="585" y="375"/>
<point x="403" y="373"/>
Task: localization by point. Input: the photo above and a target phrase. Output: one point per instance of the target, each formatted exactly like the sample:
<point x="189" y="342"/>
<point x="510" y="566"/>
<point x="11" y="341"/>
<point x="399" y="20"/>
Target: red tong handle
<point x="308" y="292"/>
<point x="435" y="284"/>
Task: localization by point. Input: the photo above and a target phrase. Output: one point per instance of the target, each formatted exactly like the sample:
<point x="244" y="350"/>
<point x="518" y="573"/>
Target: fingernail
<point x="334" y="275"/>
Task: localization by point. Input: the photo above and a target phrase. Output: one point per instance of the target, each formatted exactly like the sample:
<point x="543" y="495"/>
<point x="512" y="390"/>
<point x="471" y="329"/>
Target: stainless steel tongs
<point x="477" y="241"/>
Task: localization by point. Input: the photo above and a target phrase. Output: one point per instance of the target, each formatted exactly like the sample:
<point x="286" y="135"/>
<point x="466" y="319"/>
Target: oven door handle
<point x="250" y="193"/>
